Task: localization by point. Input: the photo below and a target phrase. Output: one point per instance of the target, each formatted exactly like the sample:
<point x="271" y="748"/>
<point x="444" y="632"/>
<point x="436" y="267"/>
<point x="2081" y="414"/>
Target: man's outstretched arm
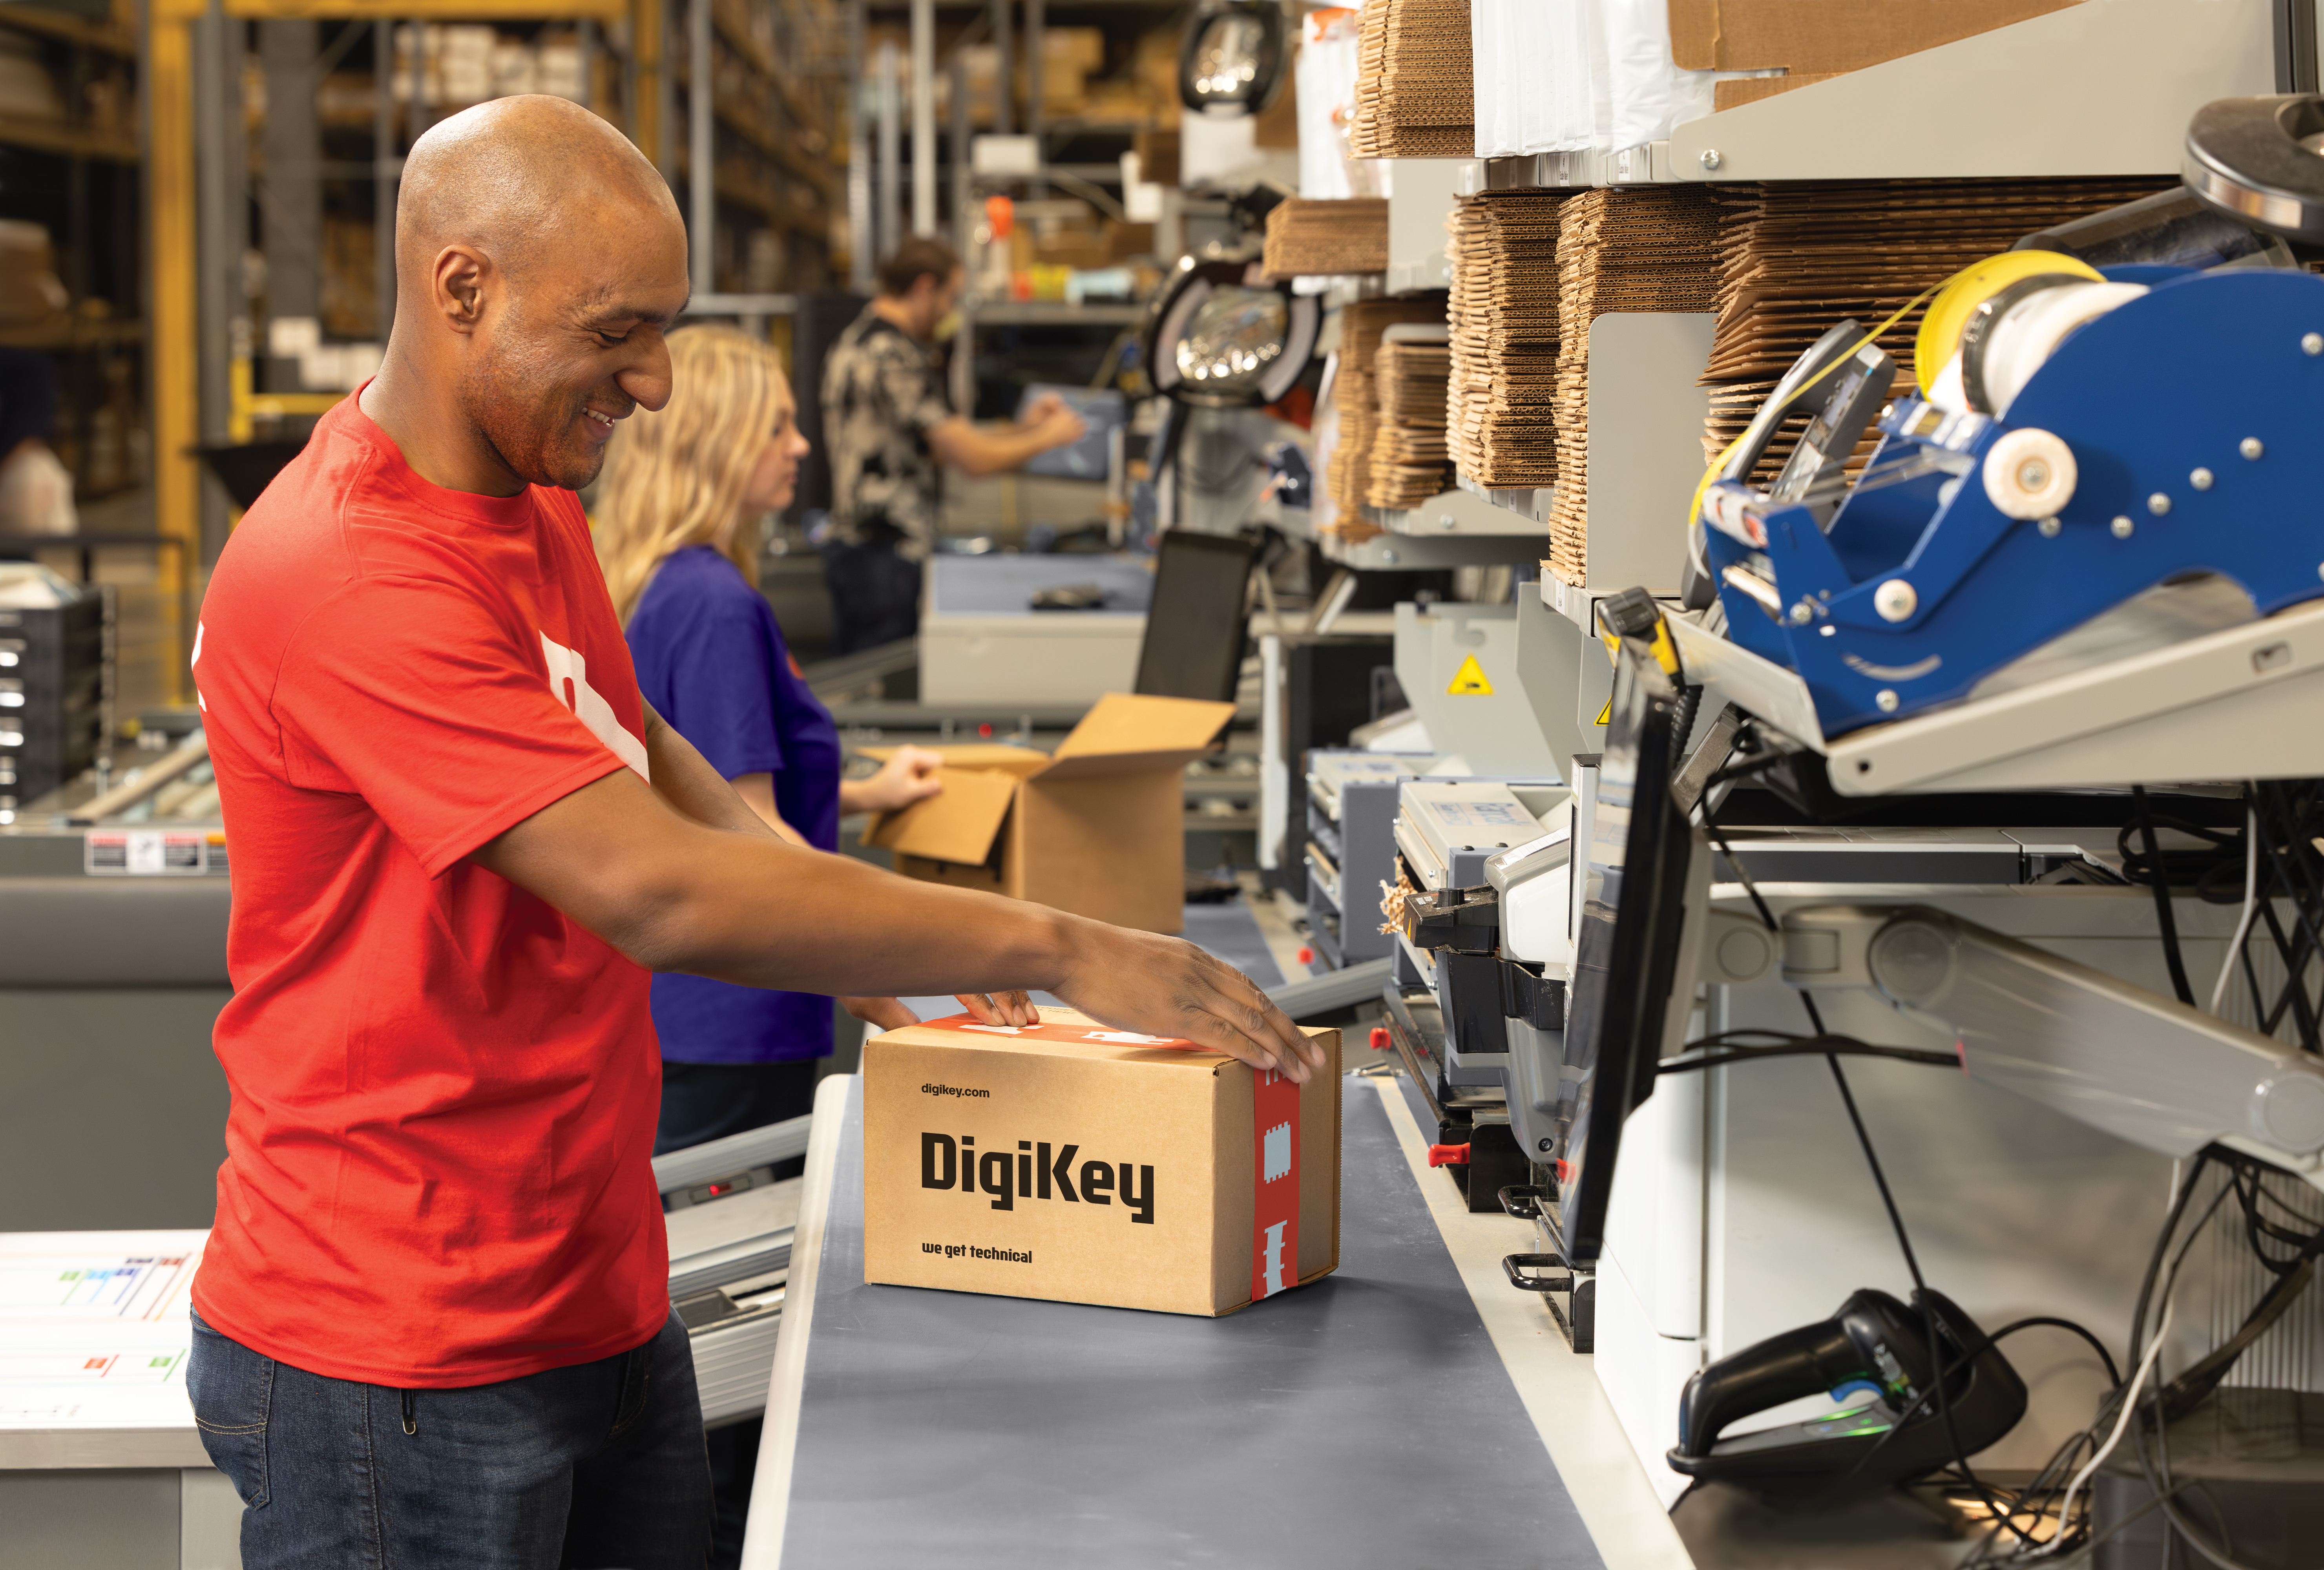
<point x="737" y="904"/>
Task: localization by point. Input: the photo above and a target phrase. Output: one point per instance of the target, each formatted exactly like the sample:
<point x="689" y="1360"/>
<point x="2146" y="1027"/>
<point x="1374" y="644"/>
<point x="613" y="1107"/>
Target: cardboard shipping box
<point x="1813" y="40"/>
<point x="1099" y="828"/>
<point x="1083" y="1165"/>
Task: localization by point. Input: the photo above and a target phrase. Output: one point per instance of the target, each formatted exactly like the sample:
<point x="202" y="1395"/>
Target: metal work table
<point x="1409" y="1410"/>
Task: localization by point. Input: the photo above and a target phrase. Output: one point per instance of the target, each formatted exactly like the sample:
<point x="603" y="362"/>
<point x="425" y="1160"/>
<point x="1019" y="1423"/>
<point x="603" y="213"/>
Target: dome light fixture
<point x="1233" y="58"/>
<point x="1220" y="335"/>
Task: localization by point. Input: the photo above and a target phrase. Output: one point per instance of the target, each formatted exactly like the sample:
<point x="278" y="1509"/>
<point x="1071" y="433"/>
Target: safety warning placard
<point x="1469" y="681"/>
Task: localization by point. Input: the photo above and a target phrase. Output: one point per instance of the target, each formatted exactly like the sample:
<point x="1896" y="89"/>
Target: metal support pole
<point x="419" y="114"/>
<point x="290" y="211"/>
<point x="385" y="166"/>
<point x="1036" y="49"/>
<point x="165" y="91"/>
<point x="890" y="207"/>
<point x="963" y="211"/>
<point x="924" y="116"/>
<point x="701" y="187"/>
<point x="665" y="100"/>
<point x="860" y="245"/>
<point x="584" y="43"/>
<point x="1004" y="69"/>
<point x="223" y="330"/>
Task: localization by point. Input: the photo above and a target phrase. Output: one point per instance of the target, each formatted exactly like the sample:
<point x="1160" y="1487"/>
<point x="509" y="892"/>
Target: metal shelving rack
<point x="80" y="181"/>
<point x="765" y="135"/>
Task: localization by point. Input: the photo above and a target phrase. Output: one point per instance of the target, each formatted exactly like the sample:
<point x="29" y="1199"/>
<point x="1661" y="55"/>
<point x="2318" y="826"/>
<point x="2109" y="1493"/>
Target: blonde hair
<point x="677" y="479"/>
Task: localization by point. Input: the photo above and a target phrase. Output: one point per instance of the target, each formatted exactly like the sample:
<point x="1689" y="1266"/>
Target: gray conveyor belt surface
<point x="1364" y="1420"/>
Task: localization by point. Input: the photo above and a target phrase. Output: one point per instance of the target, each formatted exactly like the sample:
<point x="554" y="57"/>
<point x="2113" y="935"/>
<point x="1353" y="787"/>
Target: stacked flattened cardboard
<point x="1413" y="66"/>
<point x="1639" y="248"/>
<point x="1410" y="461"/>
<point x="1355" y="392"/>
<point x="1795" y="260"/>
<point x="1311" y="238"/>
<point x="1504" y="316"/>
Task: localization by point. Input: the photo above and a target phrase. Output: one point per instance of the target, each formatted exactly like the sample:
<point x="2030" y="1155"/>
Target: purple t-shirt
<point x="713" y="663"/>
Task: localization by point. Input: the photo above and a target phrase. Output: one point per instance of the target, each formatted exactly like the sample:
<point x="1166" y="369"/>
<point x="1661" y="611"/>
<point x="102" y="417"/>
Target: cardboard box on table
<point x="1101" y="1168"/>
<point x="1099" y="828"/>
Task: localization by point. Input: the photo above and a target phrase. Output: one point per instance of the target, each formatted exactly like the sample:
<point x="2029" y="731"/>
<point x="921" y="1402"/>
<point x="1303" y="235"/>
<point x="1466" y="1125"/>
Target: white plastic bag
<point x="1648" y="92"/>
<point x="36" y="493"/>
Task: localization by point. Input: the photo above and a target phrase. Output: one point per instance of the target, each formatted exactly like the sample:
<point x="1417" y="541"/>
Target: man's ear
<point x="457" y="283"/>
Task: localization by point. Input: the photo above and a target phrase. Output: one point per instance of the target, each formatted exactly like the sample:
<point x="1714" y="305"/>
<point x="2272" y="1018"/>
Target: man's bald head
<point x="539" y="259"/>
<point x="518" y="178"/>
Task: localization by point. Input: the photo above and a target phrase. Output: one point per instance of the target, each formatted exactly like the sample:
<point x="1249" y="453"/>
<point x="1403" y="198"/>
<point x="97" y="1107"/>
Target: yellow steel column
<point x="177" y="428"/>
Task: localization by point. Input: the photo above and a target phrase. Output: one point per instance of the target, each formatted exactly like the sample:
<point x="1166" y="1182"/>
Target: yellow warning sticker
<point x="1606" y="715"/>
<point x="1469" y="681"/>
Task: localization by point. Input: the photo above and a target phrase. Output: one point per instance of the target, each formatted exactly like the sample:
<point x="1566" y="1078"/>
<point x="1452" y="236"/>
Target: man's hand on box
<point x="989" y="1008"/>
<point x="1166" y="986"/>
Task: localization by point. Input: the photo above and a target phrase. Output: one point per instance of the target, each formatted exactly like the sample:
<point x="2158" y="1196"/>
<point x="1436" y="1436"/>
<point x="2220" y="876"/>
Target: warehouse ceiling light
<point x="1221" y="336"/>
<point x="1232" y="61"/>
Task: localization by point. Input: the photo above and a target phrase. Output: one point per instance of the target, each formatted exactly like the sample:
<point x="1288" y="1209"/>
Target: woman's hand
<point x="989" y="1008"/>
<point x="910" y="775"/>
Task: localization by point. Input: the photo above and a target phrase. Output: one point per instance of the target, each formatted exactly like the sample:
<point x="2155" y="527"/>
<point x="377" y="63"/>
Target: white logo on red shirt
<point x="568" y="680"/>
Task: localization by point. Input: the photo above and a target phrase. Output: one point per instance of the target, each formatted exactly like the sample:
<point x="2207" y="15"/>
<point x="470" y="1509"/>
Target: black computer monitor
<point x="1627" y="993"/>
<point x="1195" y="627"/>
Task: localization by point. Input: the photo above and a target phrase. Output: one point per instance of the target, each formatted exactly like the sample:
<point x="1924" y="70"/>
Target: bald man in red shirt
<point x="432" y="1324"/>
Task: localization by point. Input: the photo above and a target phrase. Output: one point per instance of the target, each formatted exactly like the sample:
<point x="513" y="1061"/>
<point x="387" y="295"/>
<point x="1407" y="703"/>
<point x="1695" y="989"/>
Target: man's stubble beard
<point x="512" y="403"/>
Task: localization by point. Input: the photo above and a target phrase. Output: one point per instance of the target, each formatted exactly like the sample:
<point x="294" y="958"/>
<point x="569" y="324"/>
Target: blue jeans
<point x="599" y="1466"/>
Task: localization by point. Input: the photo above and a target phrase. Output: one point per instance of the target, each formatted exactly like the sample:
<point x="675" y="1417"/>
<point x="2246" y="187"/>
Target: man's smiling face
<point x="574" y="342"/>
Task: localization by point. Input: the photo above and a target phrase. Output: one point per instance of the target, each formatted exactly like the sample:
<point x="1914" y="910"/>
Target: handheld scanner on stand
<point x="1876" y="1346"/>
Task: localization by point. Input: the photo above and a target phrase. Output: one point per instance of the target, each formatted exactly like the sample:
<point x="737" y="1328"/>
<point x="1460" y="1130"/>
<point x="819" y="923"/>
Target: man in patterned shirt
<point x="889" y="427"/>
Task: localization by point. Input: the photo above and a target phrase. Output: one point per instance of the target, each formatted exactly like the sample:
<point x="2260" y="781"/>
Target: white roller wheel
<point x="2029" y="474"/>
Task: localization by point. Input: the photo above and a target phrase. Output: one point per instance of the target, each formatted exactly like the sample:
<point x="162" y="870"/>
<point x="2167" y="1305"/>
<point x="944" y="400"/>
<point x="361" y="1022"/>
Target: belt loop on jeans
<point x="410" y="1414"/>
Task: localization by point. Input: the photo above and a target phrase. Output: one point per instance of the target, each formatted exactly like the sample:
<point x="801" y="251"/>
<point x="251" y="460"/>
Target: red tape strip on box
<point x="1274" y="1143"/>
<point x="1275" y="1183"/>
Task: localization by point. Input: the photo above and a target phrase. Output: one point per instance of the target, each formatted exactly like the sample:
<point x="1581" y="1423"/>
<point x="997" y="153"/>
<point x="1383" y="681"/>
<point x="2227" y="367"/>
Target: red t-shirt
<point x="437" y="1159"/>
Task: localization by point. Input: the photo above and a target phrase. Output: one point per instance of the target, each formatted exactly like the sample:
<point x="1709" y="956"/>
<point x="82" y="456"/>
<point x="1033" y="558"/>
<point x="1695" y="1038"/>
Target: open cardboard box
<point x="1099" y="828"/>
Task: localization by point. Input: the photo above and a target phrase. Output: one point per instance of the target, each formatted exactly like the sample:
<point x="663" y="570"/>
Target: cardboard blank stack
<point x="1356" y="394"/>
<point x="1504" y="316"/>
<point x="1643" y="248"/>
<point x="1413" y="98"/>
<point x="1795" y="260"/>
<point x="1307" y="237"/>
<point x="1409" y="460"/>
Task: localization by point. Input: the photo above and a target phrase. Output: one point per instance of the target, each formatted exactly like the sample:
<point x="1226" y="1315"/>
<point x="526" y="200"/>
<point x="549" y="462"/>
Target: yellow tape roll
<point x="1948" y="312"/>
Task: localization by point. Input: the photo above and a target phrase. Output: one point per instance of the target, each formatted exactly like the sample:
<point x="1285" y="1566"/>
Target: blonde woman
<point x="677" y="531"/>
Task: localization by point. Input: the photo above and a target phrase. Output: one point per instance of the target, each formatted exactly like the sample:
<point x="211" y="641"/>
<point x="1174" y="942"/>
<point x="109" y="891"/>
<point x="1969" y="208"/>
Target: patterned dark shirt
<point x="880" y="396"/>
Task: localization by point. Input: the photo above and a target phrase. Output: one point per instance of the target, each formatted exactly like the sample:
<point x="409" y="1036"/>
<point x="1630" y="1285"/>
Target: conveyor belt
<point x="1365" y="1420"/>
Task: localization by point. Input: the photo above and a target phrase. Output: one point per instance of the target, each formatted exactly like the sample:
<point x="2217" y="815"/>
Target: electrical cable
<point x="1810" y="1047"/>
<point x="2040" y="1484"/>
<point x="2250" y="899"/>
<point x="2158" y="1481"/>
<point x="1819" y="1046"/>
<point x="2158" y="878"/>
<point x="2297" y="835"/>
<point x="2125" y="1408"/>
